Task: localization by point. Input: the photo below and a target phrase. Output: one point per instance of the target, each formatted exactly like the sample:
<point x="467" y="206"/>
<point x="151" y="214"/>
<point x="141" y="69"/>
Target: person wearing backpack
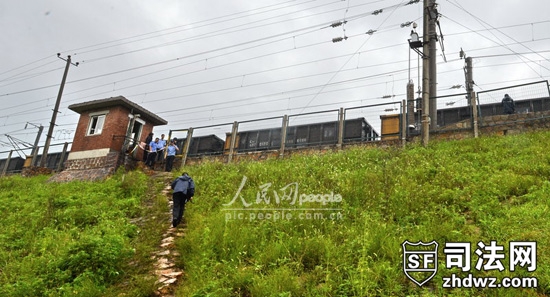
<point x="184" y="190"/>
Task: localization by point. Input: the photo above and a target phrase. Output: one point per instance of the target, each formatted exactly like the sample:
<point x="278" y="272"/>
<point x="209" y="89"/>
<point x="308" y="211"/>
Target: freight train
<point x="315" y="134"/>
<point x="299" y="136"/>
<point x="17" y="163"/>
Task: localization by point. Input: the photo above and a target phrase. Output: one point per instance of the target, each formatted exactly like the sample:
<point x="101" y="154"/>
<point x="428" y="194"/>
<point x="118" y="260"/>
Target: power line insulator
<point x="338" y="24"/>
<point x="370" y="32"/>
<point x="378" y="11"/>
<point x="338" y="39"/>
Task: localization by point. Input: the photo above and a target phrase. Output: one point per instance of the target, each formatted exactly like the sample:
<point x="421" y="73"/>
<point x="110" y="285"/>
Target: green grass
<point x="80" y="238"/>
<point x="491" y="188"/>
<point x="76" y="239"/>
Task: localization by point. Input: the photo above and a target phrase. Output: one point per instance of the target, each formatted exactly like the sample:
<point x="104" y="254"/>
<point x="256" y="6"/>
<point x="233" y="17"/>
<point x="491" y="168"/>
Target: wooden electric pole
<point x="432" y="15"/>
<point x="468" y="71"/>
<point x="49" y="136"/>
<point x="34" y="151"/>
<point x="410" y="104"/>
<point x="426" y="77"/>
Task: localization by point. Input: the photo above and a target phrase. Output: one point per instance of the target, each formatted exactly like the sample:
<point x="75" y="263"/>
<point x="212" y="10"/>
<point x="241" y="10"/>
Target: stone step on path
<point x="165" y="269"/>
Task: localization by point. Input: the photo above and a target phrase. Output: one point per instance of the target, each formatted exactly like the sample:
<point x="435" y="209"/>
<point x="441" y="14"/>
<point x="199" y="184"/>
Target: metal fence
<point x="334" y="127"/>
<point x="337" y="127"/>
<point x="55" y="159"/>
<point x="288" y="132"/>
<point x="531" y="97"/>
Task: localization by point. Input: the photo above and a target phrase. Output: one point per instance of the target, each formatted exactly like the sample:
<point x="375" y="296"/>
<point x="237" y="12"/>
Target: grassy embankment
<point x="494" y="188"/>
<point x="77" y="239"/>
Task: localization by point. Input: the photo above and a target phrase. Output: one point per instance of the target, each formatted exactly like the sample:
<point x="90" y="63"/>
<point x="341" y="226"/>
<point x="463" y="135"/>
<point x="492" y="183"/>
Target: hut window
<point x="96" y="124"/>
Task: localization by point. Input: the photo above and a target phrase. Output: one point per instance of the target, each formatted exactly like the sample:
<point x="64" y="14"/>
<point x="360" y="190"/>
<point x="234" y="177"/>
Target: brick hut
<point x="107" y="132"/>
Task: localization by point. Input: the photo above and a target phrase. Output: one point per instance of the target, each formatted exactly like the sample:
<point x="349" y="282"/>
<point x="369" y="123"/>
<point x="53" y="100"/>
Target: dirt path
<point x="165" y="257"/>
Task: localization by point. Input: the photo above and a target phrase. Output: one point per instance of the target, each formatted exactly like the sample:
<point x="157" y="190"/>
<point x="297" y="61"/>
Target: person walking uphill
<point x="184" y="190"/>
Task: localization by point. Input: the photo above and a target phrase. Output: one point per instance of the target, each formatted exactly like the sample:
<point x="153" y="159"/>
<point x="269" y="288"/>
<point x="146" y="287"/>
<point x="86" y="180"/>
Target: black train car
<point x="202" y="145"/>
<point x="15" y="165"/>
<point x="452" y="115"/>
<point x="355" y="130"/>
<point x="359" y="130"/>
<point x="448" y="116"/>
<point x="53" y="160"/>
<point x="256" y="140"/>
<point x="312" y="134"/>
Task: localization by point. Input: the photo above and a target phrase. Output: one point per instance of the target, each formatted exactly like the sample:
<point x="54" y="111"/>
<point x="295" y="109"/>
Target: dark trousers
<point x="151" y="159"/>
<point x="169" y="162"/>
<point x="145" y="153"/>
<point x="160" y="156"/>
<point x="179" y="199"/>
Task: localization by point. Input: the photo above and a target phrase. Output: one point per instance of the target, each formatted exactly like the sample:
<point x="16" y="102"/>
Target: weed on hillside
<point x="241" y="241"/>
<point x="76" y="238"/>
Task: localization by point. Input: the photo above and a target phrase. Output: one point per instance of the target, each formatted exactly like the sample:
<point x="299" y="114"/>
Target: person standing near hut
<point x="171" y="150"/>
<point x="146" y="149"/>
<point x="161" y="146"/>
<point x="152" y="156"/>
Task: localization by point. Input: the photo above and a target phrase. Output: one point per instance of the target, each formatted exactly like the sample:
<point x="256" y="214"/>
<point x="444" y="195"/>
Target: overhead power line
<point x="157" y="90"/>
<point x="313" y="28"/>
<point x="29" y="76"/>
<point x="31" y="111"/>
<point x="293" y="96"/>
<point x="224" y="31"/>
<point x="484" y="23"/>
<point x="25" y="65"/>
<point x="316" y="26"/>
<point x="363" y="44"/>
<point x="16" y="76"/>
<point x="194" y="25"/>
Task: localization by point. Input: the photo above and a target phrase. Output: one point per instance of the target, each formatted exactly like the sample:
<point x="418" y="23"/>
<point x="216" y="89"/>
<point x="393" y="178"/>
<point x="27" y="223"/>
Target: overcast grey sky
<point x="198" y="63"/>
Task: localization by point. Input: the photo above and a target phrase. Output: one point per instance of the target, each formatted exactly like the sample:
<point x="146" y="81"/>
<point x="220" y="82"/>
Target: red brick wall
<point x="116" y="124"/>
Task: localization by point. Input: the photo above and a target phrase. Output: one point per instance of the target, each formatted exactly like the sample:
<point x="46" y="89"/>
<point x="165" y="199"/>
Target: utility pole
<point x="471" y="95"/>
<point x="55" y="111"/>
<point x="432" y="15"/>
<point x="404" y="122"/>
<point x="426" y="76"/>
<point x="34" y="151"/>
<point x="410" y="103"/>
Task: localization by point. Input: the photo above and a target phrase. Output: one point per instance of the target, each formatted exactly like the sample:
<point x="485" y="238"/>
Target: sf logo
<point x="420" y="261"/>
